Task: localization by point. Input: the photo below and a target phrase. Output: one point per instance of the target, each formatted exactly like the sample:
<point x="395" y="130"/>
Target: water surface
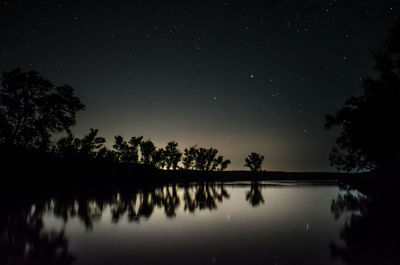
<point x="207" y="223"/>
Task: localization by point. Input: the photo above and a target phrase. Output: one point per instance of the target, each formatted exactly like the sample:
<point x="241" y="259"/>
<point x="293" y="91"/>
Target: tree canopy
<point x="204" y="159"/>
<point x="254" y="161"/>
<point x="88" y="147"/>
<point x="370" y="122"/>
<point x="32" y="109"/>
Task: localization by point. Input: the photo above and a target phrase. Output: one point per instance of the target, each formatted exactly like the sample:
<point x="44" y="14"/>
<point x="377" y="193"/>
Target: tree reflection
<point x="254" y="195"/>
<point x="371" y="232"/>
<point x="23" y="239"/>
<point x="137" y="204"/>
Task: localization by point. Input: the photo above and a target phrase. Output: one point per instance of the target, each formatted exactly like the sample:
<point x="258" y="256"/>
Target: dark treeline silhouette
<point x="370" y="122"/>
<point x="138" y="151"/>
<point x="33" y="110"/>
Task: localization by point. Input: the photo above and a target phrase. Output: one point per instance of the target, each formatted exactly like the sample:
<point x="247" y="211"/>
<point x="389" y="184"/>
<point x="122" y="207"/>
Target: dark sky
<point x="241" y="76"/>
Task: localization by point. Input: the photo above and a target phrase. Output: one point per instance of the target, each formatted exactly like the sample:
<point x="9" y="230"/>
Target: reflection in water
<point x="139" y="204"/>
<point x="23" y="241"/>
<point x="371" y="231"/>
<point x="254" y="196"/>
<point x="296" y="220"/>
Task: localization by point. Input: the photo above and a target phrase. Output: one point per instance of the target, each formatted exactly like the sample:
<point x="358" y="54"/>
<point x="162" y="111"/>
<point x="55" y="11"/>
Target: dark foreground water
<point x="208" y="223"/>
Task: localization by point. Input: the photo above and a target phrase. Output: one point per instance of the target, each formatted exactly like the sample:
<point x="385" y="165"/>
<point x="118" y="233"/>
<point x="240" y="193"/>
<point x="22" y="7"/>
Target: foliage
<point x="147" y="149"/>
<point x="172" y="155"/>
<point x="223" y="163"/>
<point x="254" y="161"/>
<point x="127" y="152"/>
<point x="88" y="147"/>
<point x="204" y="159"/>
<point x="32" y="109"/>
<point x="159" y="158"/>
<point x="189" y="157"/>
<point x="369" y="123"/>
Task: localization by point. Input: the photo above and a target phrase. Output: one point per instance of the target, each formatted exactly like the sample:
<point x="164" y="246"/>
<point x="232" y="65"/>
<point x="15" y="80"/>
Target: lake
<point x="206" y="223"/>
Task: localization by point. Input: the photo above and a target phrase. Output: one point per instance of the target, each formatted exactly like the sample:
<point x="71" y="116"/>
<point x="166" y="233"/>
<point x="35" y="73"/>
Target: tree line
<point x="140" y="151"/>
<point x="137" y="150"/>
<point x="33" y="109"/>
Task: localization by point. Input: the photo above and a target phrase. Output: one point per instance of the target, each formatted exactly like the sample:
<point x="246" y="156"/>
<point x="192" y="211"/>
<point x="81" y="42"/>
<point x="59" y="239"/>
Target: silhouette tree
<point x="172" y="155"/>
<point x="106" y="154"/>
<point x="159" y="158"/>
<point x="369" y="123"/>
<point x="220" y="164"/>
<point x="91" y="143"/>
<point x="224" y="163"/>
<point x="32" y="109"/>
<point x="127" y="152"/>
<point x="189" y="157"/>
<point x="147" y="148"/>
<point x="85" y="148"/>
<point x="210" y="155"/>
<point x="68" y="146"/>
<point x="254" y="161"/>
<point x="200" y="159"/>
<point x="204" y="159"/>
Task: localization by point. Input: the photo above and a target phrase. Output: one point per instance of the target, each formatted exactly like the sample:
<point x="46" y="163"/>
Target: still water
<point x="207" y="223"/>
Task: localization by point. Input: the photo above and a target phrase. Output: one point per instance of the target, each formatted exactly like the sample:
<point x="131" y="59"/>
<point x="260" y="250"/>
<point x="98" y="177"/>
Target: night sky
<point x="240" y="76"/>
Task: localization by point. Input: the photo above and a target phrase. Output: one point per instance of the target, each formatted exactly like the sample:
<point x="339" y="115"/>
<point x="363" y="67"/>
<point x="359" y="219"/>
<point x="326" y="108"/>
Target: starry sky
<point x="240" y="76"/>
